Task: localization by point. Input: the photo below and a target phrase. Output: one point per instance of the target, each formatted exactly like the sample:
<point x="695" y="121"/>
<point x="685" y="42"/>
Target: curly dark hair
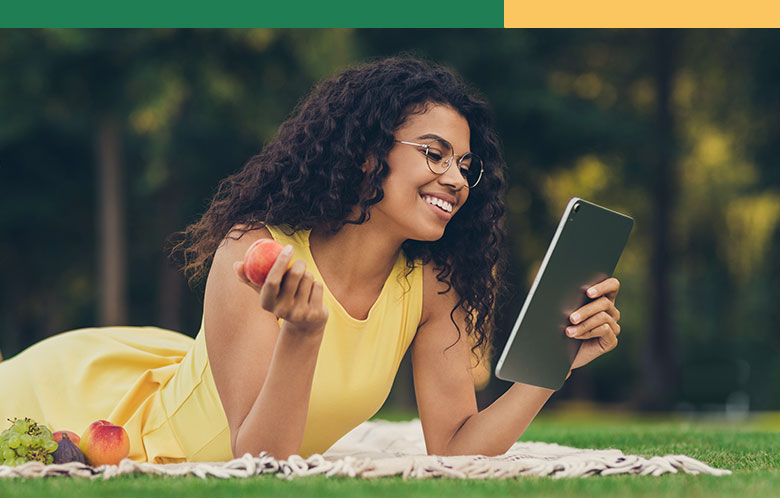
<point x="308" y="175"/>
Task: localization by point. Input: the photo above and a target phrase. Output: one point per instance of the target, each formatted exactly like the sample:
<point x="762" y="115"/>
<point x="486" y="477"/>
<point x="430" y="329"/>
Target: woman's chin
<point x="430" y="235"/>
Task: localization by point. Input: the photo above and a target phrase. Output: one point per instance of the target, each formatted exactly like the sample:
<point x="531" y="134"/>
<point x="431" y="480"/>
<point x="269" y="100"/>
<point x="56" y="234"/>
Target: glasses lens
<point x="439" y="155"/>
<point x="471" y="168"/>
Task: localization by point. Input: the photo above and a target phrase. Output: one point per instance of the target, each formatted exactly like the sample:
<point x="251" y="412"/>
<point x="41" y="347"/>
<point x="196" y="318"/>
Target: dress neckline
<point x="339" y="306"/>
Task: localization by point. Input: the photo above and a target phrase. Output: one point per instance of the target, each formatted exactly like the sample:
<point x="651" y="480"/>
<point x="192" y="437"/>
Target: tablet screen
<point x="584" y="251"/>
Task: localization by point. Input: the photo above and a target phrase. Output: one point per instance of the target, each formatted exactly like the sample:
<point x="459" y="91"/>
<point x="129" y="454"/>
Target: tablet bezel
<point x="557" y="353"/>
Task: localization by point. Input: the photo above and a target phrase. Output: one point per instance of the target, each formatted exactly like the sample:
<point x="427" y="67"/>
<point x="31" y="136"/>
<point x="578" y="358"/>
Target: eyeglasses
<point x="439" y="155"/>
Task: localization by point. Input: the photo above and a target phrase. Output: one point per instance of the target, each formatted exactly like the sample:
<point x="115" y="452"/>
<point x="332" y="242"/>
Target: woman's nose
<point x="453" y="177"/>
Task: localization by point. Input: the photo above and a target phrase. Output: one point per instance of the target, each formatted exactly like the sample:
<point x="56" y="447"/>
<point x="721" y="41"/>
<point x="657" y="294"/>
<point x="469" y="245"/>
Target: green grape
<point x="21" y="425"/>
<point x="25" y="440"/>
<point x="14" y="441"/>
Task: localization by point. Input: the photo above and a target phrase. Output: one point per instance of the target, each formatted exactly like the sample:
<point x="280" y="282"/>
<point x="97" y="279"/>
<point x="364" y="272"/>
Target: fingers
<point x="278" y="269"/>
<point x="289" y="291"/>
<point x="297" y="298"/>
<point x="594" y="307"/>
<point x="316" y="294"/>
<point x="599" y="325"/>
<point x="315" y="300"/>
<point x="280" y="297"/>
<point x="608" y="288"/>
<point x="238" y="268"/>
<point x="304" y="288"/>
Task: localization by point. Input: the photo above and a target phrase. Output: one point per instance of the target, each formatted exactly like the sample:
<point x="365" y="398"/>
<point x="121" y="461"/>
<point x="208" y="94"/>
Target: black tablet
<point x="584" y="251"/>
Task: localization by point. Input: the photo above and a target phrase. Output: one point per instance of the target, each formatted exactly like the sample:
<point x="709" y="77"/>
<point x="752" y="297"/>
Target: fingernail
<point x="591" y="292"/>
<point x="570" y="331"/>
<point x="287" y="250"/>
<point x="575" y="317"/>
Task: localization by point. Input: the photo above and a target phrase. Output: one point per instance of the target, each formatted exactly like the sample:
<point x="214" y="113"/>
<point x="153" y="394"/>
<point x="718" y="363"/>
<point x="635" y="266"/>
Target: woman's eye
<point x="434" y="155"/>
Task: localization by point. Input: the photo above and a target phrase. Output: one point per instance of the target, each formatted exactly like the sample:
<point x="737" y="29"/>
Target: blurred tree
<point x="661" y="361"/>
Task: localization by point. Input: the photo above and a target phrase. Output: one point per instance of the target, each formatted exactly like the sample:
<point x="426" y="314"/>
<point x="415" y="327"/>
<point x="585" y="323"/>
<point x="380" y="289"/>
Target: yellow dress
<point x="158" y="384"/>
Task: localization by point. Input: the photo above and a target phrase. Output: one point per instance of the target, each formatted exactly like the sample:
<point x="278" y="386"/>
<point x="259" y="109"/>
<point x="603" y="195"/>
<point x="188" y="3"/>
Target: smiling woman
<point x="386" y="186"/>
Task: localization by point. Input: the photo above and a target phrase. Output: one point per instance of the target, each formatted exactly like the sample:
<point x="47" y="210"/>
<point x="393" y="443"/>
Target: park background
<point x="112" y="140"/>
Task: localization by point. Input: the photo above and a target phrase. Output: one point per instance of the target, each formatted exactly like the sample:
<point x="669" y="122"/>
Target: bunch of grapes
<point x="26" y="441"/>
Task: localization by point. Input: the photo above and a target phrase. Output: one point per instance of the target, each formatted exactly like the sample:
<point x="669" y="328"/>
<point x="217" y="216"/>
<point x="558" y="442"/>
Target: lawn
<point x="750" y="448"/>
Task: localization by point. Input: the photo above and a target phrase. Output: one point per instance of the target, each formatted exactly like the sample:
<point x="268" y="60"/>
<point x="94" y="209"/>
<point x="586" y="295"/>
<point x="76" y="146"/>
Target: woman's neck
<point x="357" y="257"/>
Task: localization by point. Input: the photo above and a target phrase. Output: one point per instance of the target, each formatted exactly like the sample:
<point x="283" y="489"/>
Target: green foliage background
<point x="576" y="110"/>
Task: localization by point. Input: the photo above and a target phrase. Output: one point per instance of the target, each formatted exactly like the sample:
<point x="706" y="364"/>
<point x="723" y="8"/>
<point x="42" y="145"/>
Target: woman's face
<point x="410" y="182"/>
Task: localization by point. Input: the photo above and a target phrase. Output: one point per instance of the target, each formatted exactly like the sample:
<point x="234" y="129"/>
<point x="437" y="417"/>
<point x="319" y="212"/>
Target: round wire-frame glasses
<point x="439" y="156"/>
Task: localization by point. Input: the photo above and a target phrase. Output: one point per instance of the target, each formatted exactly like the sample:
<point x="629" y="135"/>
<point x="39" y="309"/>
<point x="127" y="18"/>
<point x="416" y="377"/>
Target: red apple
<point x="104" y="443"/>
<point x="259" y="259"/>
<point x="71" y="435"/>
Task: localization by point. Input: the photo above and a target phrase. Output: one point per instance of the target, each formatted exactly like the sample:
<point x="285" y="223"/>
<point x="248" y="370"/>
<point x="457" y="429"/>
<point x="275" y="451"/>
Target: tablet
<point x="584" y="251"/>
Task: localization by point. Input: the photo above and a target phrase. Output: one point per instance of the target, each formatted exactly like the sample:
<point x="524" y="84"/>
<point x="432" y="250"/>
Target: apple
<point x="259" y="259"/>
<point x="71" y="435"/>
<point x="104" y="443"/>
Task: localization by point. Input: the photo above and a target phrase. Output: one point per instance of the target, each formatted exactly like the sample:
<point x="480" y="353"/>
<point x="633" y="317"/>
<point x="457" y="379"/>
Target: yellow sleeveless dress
<point x="158" y="384"/>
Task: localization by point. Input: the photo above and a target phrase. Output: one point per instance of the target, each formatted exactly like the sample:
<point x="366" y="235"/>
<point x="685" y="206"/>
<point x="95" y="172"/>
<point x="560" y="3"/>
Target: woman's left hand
<point x="596" y="323"/>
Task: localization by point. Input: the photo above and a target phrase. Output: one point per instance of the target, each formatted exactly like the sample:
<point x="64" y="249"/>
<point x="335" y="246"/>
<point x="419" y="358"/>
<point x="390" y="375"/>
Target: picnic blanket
<point x="381" y="448"/>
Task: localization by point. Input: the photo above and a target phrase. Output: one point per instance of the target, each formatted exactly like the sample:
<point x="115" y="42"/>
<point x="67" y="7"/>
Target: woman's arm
<point x="263" y="373"/>
<point x="445" y="394"/>
<point x="444" y="387"/>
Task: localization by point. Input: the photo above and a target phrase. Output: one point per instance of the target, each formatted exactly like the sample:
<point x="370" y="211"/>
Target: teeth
<point x="444" y="205"/>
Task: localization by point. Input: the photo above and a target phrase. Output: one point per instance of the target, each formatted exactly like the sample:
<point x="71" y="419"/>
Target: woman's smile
<point x="443" y="209"/>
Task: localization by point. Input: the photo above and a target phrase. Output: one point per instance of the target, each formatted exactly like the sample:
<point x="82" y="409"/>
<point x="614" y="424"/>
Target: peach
<point x="104" y="443"/>
<point x="259" y="259"/>
<point x="71" y="435"/>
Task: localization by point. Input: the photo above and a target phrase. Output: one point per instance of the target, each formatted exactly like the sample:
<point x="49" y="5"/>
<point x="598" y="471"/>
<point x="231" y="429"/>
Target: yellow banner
<point x="647" y="14"/>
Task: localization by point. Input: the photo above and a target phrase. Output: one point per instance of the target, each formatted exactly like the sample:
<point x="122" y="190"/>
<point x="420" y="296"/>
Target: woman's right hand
<point x="290" y="293"/>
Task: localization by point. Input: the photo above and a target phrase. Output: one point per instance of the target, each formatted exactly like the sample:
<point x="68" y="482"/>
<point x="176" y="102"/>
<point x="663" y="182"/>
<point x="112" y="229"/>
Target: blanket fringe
<point x="382" y="449"/>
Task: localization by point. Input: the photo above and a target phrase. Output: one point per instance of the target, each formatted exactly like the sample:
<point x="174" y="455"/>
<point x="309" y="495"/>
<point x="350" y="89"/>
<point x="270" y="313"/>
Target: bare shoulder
<point x="236" y="242"/>
<point x="438" y="297"/>
<point x="222" y="285"/>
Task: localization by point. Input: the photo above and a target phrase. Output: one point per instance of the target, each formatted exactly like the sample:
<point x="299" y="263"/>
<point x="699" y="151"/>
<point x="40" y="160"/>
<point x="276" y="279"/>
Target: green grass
<point x="751" y="449"/>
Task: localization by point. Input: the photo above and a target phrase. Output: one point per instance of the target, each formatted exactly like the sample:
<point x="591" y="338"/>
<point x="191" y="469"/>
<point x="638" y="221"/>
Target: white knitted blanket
<point x="380" y="449"/>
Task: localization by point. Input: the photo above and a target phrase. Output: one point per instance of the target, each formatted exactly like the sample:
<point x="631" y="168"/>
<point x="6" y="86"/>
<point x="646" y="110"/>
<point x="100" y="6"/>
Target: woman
<point x="386" y="187"/>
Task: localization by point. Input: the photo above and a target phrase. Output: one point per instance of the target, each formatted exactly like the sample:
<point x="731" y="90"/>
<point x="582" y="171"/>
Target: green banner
<point x="252" y="14"/>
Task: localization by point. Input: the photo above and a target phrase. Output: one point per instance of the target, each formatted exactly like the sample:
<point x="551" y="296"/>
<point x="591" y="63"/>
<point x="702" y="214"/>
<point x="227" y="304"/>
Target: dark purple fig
<point x="67" y="451"/>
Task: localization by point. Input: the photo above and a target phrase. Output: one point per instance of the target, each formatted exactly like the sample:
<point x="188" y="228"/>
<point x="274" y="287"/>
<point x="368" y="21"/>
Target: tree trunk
<point x="170" y="287"/>
<point x="661" y="360"/>
<point x="112" y="299"/>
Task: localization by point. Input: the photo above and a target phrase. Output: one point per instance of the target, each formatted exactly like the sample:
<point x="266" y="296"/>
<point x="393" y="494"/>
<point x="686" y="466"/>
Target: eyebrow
<point x="434" y="136"/>
<point x="431" y="136"/>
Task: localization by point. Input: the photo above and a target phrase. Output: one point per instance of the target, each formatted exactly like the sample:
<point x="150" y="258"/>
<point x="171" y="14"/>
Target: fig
<point x="67" y="451"/>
